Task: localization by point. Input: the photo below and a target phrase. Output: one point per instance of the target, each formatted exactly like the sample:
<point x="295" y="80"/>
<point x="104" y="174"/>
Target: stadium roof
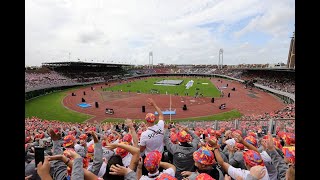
<point x="268" y="69"/>
<point x="80" y="63"/>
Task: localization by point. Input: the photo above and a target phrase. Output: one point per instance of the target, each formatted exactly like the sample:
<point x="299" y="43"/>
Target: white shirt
<point x="153" y="140"/>
<point x="102" y="169"/>
<point x="107" y="153"/>
<point x="78" y="148"/>
<point x="169" y="171"/>
<point x="234" y="172"/>
<point x="126" y="160"/>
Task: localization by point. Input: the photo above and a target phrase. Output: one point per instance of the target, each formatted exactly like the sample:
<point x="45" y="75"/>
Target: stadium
<point x="90" y="119"/>
<point x="124" y="89"/>
<point x="187" y="95"/>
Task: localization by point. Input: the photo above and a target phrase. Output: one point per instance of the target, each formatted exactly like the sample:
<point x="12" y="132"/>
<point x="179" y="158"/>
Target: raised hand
<point x="237" y="137"/>
<point x="112" y="146"/>
<point x="54" y="136"/>
<point x="72" y="154"/>
<point x="140" y="163"/>
<point x="119" y="170"/>
<point x="186" y="173"/>
<point x="258" y="172"/>
<point x="212" y="142"/>
<point x="270" y="143"/>
<point x="94" y="135"/>
<point x="227" y="134"/>
<point x="43" y="169"/>
<point x="226" y="177"/>
<point x="129" y="123"/>
<point x="151" y="102"/>
<point x="264" y="143"/>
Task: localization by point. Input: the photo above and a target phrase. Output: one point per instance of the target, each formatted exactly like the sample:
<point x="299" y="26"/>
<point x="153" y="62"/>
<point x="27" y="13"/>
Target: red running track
<point x="128" y="105"/>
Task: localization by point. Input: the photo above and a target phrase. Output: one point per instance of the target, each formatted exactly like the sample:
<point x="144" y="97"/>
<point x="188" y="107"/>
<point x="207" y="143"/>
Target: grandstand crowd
<point x="163" y="150"/>
<point x="273" y="79"/>
<point x="44" y="80"/>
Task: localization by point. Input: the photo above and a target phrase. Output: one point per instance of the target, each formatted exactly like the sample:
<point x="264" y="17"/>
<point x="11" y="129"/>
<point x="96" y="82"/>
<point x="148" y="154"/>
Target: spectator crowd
<point x="162" y="150"/>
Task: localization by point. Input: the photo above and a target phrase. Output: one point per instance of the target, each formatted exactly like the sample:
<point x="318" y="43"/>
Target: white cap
<point x="231" y="142"/>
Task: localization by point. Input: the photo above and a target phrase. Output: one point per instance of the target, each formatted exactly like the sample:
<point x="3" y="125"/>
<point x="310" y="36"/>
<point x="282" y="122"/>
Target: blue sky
<point x="176" y="31"/>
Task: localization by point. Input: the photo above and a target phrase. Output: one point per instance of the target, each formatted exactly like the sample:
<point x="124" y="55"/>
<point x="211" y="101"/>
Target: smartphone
<point x="38" y="155"/>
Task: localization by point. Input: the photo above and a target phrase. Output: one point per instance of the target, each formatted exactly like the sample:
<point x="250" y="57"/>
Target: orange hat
<point x="251" y="140"/>
<point x="211" y="131"/>
<point x="207" y="145"/>
<point x="85" y="163"/>
<point x="27" y="139"/>
<point x="71" y="132"/>
<point x="183" y="136"/>
<point x="204" y="176"/>
<point x="205" y="132"/>
<point x="275" y="140"/>
<point x="240" y="146"/>
<point x="90" y="152"/>
<point x="204" y="156"/>
<point x="252" y="134"/>
<point x="252" y="158"/>
<point x="165" y="176"/>
<point x="56" y="130"/>
<point x="218" y="133"/>
<point x="68" y="140"/>
<point x="122" y="152"/>
<point x="91" y="148"/>
<point x="150" y="117"/>
<point x="289" y="153"/>
<point x="111" y="137"/>
<point x="152" y="160"/>
<point x="238" y="131"/>
<point x="83" y="137"/>
<point x="104" y="143"/>
<point x="41" y="136"/>
<point x="127" y="138"/>
<point x="289" y="138"/>
<point x="173" y="137"/>
<point x="222" y="130"/>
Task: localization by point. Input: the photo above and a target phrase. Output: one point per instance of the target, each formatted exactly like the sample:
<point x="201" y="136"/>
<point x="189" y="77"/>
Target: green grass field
<point x="145" y="86"/>
<point x="221" y="117"/>
<point x="50" y="107"/>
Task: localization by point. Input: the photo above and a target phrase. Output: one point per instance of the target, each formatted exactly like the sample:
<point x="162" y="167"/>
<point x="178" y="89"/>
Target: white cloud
<point x="126" y="30"/>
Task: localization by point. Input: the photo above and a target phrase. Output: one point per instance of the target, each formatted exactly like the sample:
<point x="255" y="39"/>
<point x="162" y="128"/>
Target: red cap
<point x="240" y="146"/>
<point x="183" y="136"/>
<point x="27" y="139"/>
<point x="204" y="176"/>
<point x="127" y="138"/>
<point x="68" y="140"/>
<point x="83" y="137"/>
<point x="122" y="152"/>
<point x="252" y="158"/>
<point x="150" y="117"/>
<point x="204" y="156"/>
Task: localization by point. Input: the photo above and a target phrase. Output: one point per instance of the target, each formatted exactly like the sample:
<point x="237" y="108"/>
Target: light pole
<point x="220" y="64"/>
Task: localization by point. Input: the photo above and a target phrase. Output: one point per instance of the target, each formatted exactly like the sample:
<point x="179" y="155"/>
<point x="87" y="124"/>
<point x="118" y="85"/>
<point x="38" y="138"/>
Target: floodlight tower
<point x="151" y="60"/>
<point x="220" y="64"/>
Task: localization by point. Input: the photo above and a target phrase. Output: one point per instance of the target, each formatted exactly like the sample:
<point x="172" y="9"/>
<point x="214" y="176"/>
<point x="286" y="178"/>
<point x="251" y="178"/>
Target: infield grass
<point x="147" y="85"/>
<point x="50" y="107"/>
